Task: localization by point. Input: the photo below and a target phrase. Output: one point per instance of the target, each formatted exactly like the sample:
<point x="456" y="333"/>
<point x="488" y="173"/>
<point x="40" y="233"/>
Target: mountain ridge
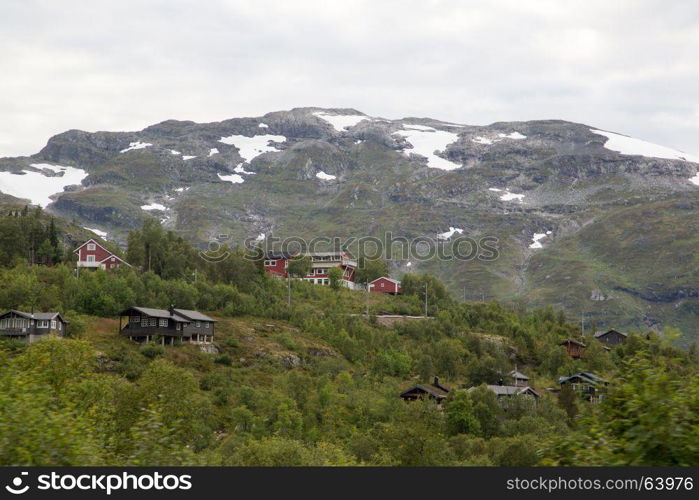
<point x="338" y="172"/>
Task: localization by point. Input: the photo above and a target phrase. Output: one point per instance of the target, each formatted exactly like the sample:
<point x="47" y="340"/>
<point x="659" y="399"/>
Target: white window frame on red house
<point x="90" y="258"/>
<point x="91" y="247"/>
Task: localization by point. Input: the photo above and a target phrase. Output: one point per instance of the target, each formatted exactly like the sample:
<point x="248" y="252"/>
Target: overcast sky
<point x="630" y="66"/>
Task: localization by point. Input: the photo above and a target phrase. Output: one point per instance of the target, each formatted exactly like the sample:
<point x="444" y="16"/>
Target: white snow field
<point x="507" y="196"/>
<point x="535" y="240"/>
<point x="632" y="146"/>
<point x="251" y="147"/>
<point x="213" y="151"/>
<point x="232" y="178"/>
<point x="188" y="157"/>
<point x="240" y="170"/>
<point x="492" y="140"/>
<point x="325" y="177"/>
<point x="340" y="122"/>
<point x="153" y="206"/>
<point x="452" y="231"/>
<point x="37" y="187"/>
<point x="426" y="140"/>
<point x="101" y="234"/>
<point x="695" y="179"/>
<point x="263" y="125"/>
<point x="136" y="145"/>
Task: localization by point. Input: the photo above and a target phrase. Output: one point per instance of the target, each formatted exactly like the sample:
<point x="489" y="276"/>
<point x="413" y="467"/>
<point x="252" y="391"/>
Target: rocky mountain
<point x="603" y="225"/>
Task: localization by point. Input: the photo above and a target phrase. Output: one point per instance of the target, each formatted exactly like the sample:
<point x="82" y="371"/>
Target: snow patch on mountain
<point x="425" y="141"/>
<point x="340" y="122"/>
<point x="251" y="147"/>
<point x="325" y="177"/>
<point x="38" y="187"/>
<point x="232" y="178"/>
<point x="136" y="145"/>
<point x="632" y="146"/>
<point x="695" y="179"/>
<point x="153" y="206"/>
<point x="452" y="231"/>
<point x="213" y="151"/>
<point x="492" y="140"/>
<point x="188" y="157"/>
<point x="172" y="152"/>
<point x="507" y="195"/>
<point x="536" y="239"/>
<point x="240" y="170"/>
<point x="263" y="125"/>
<point x="101" y="234"/>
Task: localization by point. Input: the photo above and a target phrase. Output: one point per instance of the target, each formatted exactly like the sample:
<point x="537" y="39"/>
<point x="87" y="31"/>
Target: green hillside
<point x="318" y="382"/>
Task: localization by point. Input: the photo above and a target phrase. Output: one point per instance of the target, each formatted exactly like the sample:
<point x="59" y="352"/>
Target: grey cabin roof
<point x="602" y="333"/>
<point x="193" y="315"/>
<point x="39" y="315"/>
<point x="587" y="376"/>
<point x="179" y="315"/>
<point x="430" y="389"/>
<point x="508" y="390"/>
<point x="518" y="375"/>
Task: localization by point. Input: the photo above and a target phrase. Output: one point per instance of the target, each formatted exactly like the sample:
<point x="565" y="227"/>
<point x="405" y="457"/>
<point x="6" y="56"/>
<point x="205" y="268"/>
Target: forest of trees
<point x="96" y="398"/>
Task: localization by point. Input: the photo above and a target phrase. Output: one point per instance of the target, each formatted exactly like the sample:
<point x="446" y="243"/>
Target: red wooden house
<point x="93" y="255"/>
<point x="385" y="285"/>
<point x="276" y="264"/>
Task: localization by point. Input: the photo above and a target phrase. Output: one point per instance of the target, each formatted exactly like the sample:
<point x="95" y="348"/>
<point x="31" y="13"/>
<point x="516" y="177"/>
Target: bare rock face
<point x="598" y="295"/>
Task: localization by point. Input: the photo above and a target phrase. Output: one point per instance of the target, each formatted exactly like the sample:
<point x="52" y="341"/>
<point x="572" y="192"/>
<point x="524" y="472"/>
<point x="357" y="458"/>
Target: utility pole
<point x="482" y="296"/>
<point x="582" y="324"/>
<point x="425" y="300"/>
<point x="196" y="275"/>
<point x="288" y="284"/>
<point x="367" y="299"/>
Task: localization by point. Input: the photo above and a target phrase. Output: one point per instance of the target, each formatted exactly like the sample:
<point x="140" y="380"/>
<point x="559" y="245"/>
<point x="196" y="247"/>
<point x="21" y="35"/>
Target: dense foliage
<point x="317" y="383"/>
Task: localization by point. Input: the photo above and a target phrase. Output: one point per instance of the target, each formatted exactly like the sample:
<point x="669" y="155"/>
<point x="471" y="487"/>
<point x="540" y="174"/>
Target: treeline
<point x="29" y="235"/>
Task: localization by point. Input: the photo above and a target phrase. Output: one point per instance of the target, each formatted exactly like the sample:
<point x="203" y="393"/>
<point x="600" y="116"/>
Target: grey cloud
<point x="628" y="66"/>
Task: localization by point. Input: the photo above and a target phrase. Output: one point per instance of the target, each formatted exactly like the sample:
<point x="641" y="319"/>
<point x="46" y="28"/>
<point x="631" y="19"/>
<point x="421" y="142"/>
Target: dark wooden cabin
<point x="31" y="327"/>
<point x="144" y="324"/>
<point x="574" y="349"/>
<point x="611" y="337"/>
<point x="435" y="391"/>
<point x="588" y="386"/>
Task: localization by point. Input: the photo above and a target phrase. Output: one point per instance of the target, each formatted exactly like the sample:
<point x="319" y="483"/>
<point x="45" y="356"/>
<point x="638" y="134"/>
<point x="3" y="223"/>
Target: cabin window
<point x="134" y="319"/>
<point x="326" y="281"/>
<point x="270" y="263"/>
<point x="42" y="323"/>
<point x="152" y="322"/>
<point x="90" y="246"/>
<point x="178" y="326"/>
<point x="198" y="324"/>
<point x="144" y="321"/>
<point x="90" y="258"/>
<point x="113" y="259"/>
<point x="162" y="322"/>
<point x="382" y="284"/>
<point x="206" y="324"/>
<point x="59" y="326"/>
<point x="53" y="324"/>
